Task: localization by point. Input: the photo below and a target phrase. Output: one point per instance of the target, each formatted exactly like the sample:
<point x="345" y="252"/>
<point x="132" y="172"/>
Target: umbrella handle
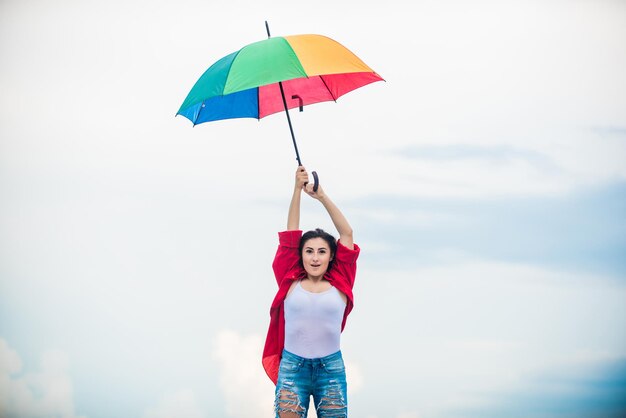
<point x="316" y="181"/>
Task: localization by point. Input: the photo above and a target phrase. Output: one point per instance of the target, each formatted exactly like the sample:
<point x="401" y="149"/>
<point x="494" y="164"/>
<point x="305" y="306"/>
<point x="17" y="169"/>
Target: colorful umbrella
<point x="275" y="74"/>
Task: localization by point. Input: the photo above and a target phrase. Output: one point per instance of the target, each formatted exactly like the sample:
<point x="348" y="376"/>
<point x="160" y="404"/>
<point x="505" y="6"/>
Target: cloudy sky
<point x="485" y="181"/>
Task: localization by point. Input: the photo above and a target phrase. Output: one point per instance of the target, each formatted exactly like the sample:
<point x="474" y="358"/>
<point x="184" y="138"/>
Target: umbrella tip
<point x="267" y="28"/>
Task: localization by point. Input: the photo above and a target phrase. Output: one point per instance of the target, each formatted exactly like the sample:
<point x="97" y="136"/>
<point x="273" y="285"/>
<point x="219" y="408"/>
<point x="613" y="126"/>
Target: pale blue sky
<point x="485" y="181"/>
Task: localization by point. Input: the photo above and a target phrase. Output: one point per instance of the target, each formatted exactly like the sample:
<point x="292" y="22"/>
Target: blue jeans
<point x="299" y="378"/>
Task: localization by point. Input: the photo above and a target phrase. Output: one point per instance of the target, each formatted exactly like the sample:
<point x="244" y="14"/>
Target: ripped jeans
<point x="299" y="378"/>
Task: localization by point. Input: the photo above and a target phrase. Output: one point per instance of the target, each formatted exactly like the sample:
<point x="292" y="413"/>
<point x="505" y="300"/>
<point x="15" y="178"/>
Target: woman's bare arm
<point x="340" y="221"/>
<point x="293" y="218"/>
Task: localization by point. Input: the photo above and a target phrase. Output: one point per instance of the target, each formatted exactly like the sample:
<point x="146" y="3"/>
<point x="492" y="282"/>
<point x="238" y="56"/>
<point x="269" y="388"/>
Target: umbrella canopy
<point x="247" y="83"/>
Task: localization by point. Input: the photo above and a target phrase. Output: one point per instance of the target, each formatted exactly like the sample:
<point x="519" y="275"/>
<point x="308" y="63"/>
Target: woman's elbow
<point x="346" y="236"/>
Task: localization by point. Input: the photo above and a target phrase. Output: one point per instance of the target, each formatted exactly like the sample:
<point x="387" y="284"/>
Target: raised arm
<point x="293" y="219"/>
<point x="340" y="221"/>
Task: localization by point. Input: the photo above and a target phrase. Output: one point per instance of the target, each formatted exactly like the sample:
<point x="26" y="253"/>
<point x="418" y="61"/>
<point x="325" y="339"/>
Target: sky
<point x="485" y="181"/>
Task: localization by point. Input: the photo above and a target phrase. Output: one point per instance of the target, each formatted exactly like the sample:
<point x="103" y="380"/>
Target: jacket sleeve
<point x="344" y="266"/>
<point x="287" y="259"/>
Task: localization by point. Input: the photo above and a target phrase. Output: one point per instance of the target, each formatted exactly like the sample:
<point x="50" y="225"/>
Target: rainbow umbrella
<point x="276" y="74"/>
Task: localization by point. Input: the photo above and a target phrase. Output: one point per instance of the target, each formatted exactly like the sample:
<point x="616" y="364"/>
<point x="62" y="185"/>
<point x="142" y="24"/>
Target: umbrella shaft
<point x="293" y="137"/>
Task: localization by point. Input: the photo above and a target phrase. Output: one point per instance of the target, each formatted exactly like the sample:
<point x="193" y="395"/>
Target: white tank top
<point x="313" y="322"/>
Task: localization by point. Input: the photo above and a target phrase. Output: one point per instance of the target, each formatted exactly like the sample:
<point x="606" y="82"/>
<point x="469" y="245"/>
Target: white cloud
<point x="474" y="327"/>
<point x="46" y="393"/>
<point x="354" y="377"/>
<point x="247" y="391"/>
<point x="181" y="404"/>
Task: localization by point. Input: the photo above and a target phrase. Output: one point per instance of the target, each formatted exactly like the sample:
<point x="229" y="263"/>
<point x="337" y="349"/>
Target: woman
<point x="315" y="277"/>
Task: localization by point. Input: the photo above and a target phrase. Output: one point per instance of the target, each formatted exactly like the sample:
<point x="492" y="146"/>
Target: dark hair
<point x="319" y="233"/>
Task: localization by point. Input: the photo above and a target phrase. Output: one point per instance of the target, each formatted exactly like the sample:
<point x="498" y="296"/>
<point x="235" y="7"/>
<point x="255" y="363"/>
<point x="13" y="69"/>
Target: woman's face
<point x="315" y="257"/>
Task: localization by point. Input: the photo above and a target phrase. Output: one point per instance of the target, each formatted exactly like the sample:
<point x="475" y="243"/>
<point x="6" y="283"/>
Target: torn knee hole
<point x="288" y="404"/>
<point x="333" y="401"/>
<point x="288" y="397"/>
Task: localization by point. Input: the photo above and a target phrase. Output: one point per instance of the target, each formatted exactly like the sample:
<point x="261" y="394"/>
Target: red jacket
<point x="287" y="269"/>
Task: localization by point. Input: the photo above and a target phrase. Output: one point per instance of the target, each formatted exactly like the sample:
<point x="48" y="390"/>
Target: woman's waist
<point x="325" y="359"/>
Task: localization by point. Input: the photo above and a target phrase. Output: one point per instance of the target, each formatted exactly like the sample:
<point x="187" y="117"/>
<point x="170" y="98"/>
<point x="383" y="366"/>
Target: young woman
<point x="315" y="276"/>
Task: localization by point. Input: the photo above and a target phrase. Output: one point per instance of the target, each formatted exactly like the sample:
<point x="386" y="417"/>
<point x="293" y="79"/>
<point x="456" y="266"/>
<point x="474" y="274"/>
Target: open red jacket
<point x="287" y="269"/>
